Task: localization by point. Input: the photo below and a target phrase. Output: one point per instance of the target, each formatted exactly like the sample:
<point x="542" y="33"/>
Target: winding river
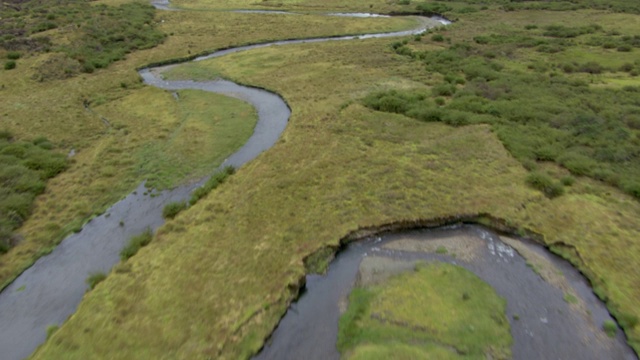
<point x="49" y="291"/>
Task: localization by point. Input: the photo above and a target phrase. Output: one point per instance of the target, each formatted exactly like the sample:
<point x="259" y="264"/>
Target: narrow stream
<point x="547" y="326"/>
<point x="50" y="290"/>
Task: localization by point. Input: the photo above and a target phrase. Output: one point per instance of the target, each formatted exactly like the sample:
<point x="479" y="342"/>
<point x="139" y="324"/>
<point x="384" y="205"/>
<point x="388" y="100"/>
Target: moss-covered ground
<point x="215" y="280"/>
<point x="438" y="311"/>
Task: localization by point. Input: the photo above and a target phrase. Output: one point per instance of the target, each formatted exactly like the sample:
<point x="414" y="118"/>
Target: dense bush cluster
<point x="97" y="34"/>
<point x="544" y="113"/>
<point x="24" y="169"/>
<point x="624" y="6"/>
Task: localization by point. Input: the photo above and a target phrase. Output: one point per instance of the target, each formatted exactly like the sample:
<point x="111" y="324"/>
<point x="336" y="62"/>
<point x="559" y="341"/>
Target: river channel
<point x="544" y="324"/>
<point x="49" y="291"/>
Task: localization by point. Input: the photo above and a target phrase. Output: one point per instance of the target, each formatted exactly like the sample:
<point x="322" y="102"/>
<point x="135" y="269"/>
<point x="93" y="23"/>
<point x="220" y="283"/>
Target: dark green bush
<point x="437" y="37"/>
<point x="13" y="55"/>
<point x="10" y="65"/>
<point x="24" y="169"/>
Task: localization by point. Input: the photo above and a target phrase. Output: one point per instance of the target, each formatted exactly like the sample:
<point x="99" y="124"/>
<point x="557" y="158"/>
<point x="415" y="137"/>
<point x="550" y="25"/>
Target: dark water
<point x="548" y="327"/>
<point x="49" y="291"/>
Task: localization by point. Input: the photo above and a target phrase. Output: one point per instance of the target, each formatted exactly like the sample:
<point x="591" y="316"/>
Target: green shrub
<point x="95" y="278"/>
<point x="444" y="90"/>
<point x="624" y="48"/>
<point x="135" y="243"/>
<point x="545" y="184"/>
<point x="437" y="37"/>
<point x="13" y="55"/>
<point x="568" y="180"/>
<point x="10" y="65"/>
<point x="172" y="209"/>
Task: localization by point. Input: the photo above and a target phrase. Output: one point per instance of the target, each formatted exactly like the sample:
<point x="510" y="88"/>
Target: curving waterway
<point x="49" y="292"/>
<point x="535" y="284"/>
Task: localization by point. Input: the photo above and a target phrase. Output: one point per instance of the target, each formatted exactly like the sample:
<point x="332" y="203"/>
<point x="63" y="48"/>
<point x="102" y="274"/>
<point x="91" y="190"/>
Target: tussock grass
<point x="94" y="279"/>
<point x="136" y="243"/>
<point x="172" y="209"/>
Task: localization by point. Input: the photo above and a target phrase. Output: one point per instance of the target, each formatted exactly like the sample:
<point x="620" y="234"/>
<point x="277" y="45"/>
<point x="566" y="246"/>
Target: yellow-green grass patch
<point x="439" y="307"/>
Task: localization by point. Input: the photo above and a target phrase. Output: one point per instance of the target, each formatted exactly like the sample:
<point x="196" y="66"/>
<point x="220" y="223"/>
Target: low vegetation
<point x="214" y="181"/>
<point x="172" y="209"/>
<point x="394" y="318"/>
<point x="95" y="278"/>
<point x="97" y="34"/>
<point x="25" y="166"/>
<point x="542" y="107"/>
<point x="136" y="243"/>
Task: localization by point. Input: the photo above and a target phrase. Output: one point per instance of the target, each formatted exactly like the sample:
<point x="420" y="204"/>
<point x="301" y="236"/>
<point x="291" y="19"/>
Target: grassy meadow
<point x="215" y="280"/>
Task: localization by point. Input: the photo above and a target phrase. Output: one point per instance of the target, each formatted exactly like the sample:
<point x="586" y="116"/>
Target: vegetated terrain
<point x="559" y="93"/>
<point x="93" y="36"/>
<point x="123" y="132"/>
<point x="24" y="169"/>
<point x="215" y="280"/>
<point x="453" y="315"/>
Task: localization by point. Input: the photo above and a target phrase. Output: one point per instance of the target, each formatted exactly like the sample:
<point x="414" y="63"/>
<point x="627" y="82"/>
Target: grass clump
<point x="136" y="243"/>
<point x="216" y="180"/>
<point x="95" y="278"/>
<point x="421" y="323"/>
<point x="546" y="184"/>
<point x="610" y="328"/>
<point x="51" y="329"/>
<point x="10" y="65"/>
<point x="172" y="209"/>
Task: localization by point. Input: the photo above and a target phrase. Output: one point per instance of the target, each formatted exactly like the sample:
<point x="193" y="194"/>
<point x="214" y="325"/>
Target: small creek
<point x="50" y="290"/>
<point x="547" y="326"/>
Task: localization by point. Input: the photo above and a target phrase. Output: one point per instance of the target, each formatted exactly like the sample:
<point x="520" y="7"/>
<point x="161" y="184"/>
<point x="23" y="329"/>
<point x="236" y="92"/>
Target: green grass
<point x="540" y="113"/>
<point x="136" y="243"/>
<point x="455" y="315"/>
<point x="51" y="329"/>
<point x="610" y="327"/>
<point x="95" y="278"/>
<point x="172" y="209"/>
<point x="25" y="167"/>
<point x="570" y="298"/>
<point x="103" y="34"/>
